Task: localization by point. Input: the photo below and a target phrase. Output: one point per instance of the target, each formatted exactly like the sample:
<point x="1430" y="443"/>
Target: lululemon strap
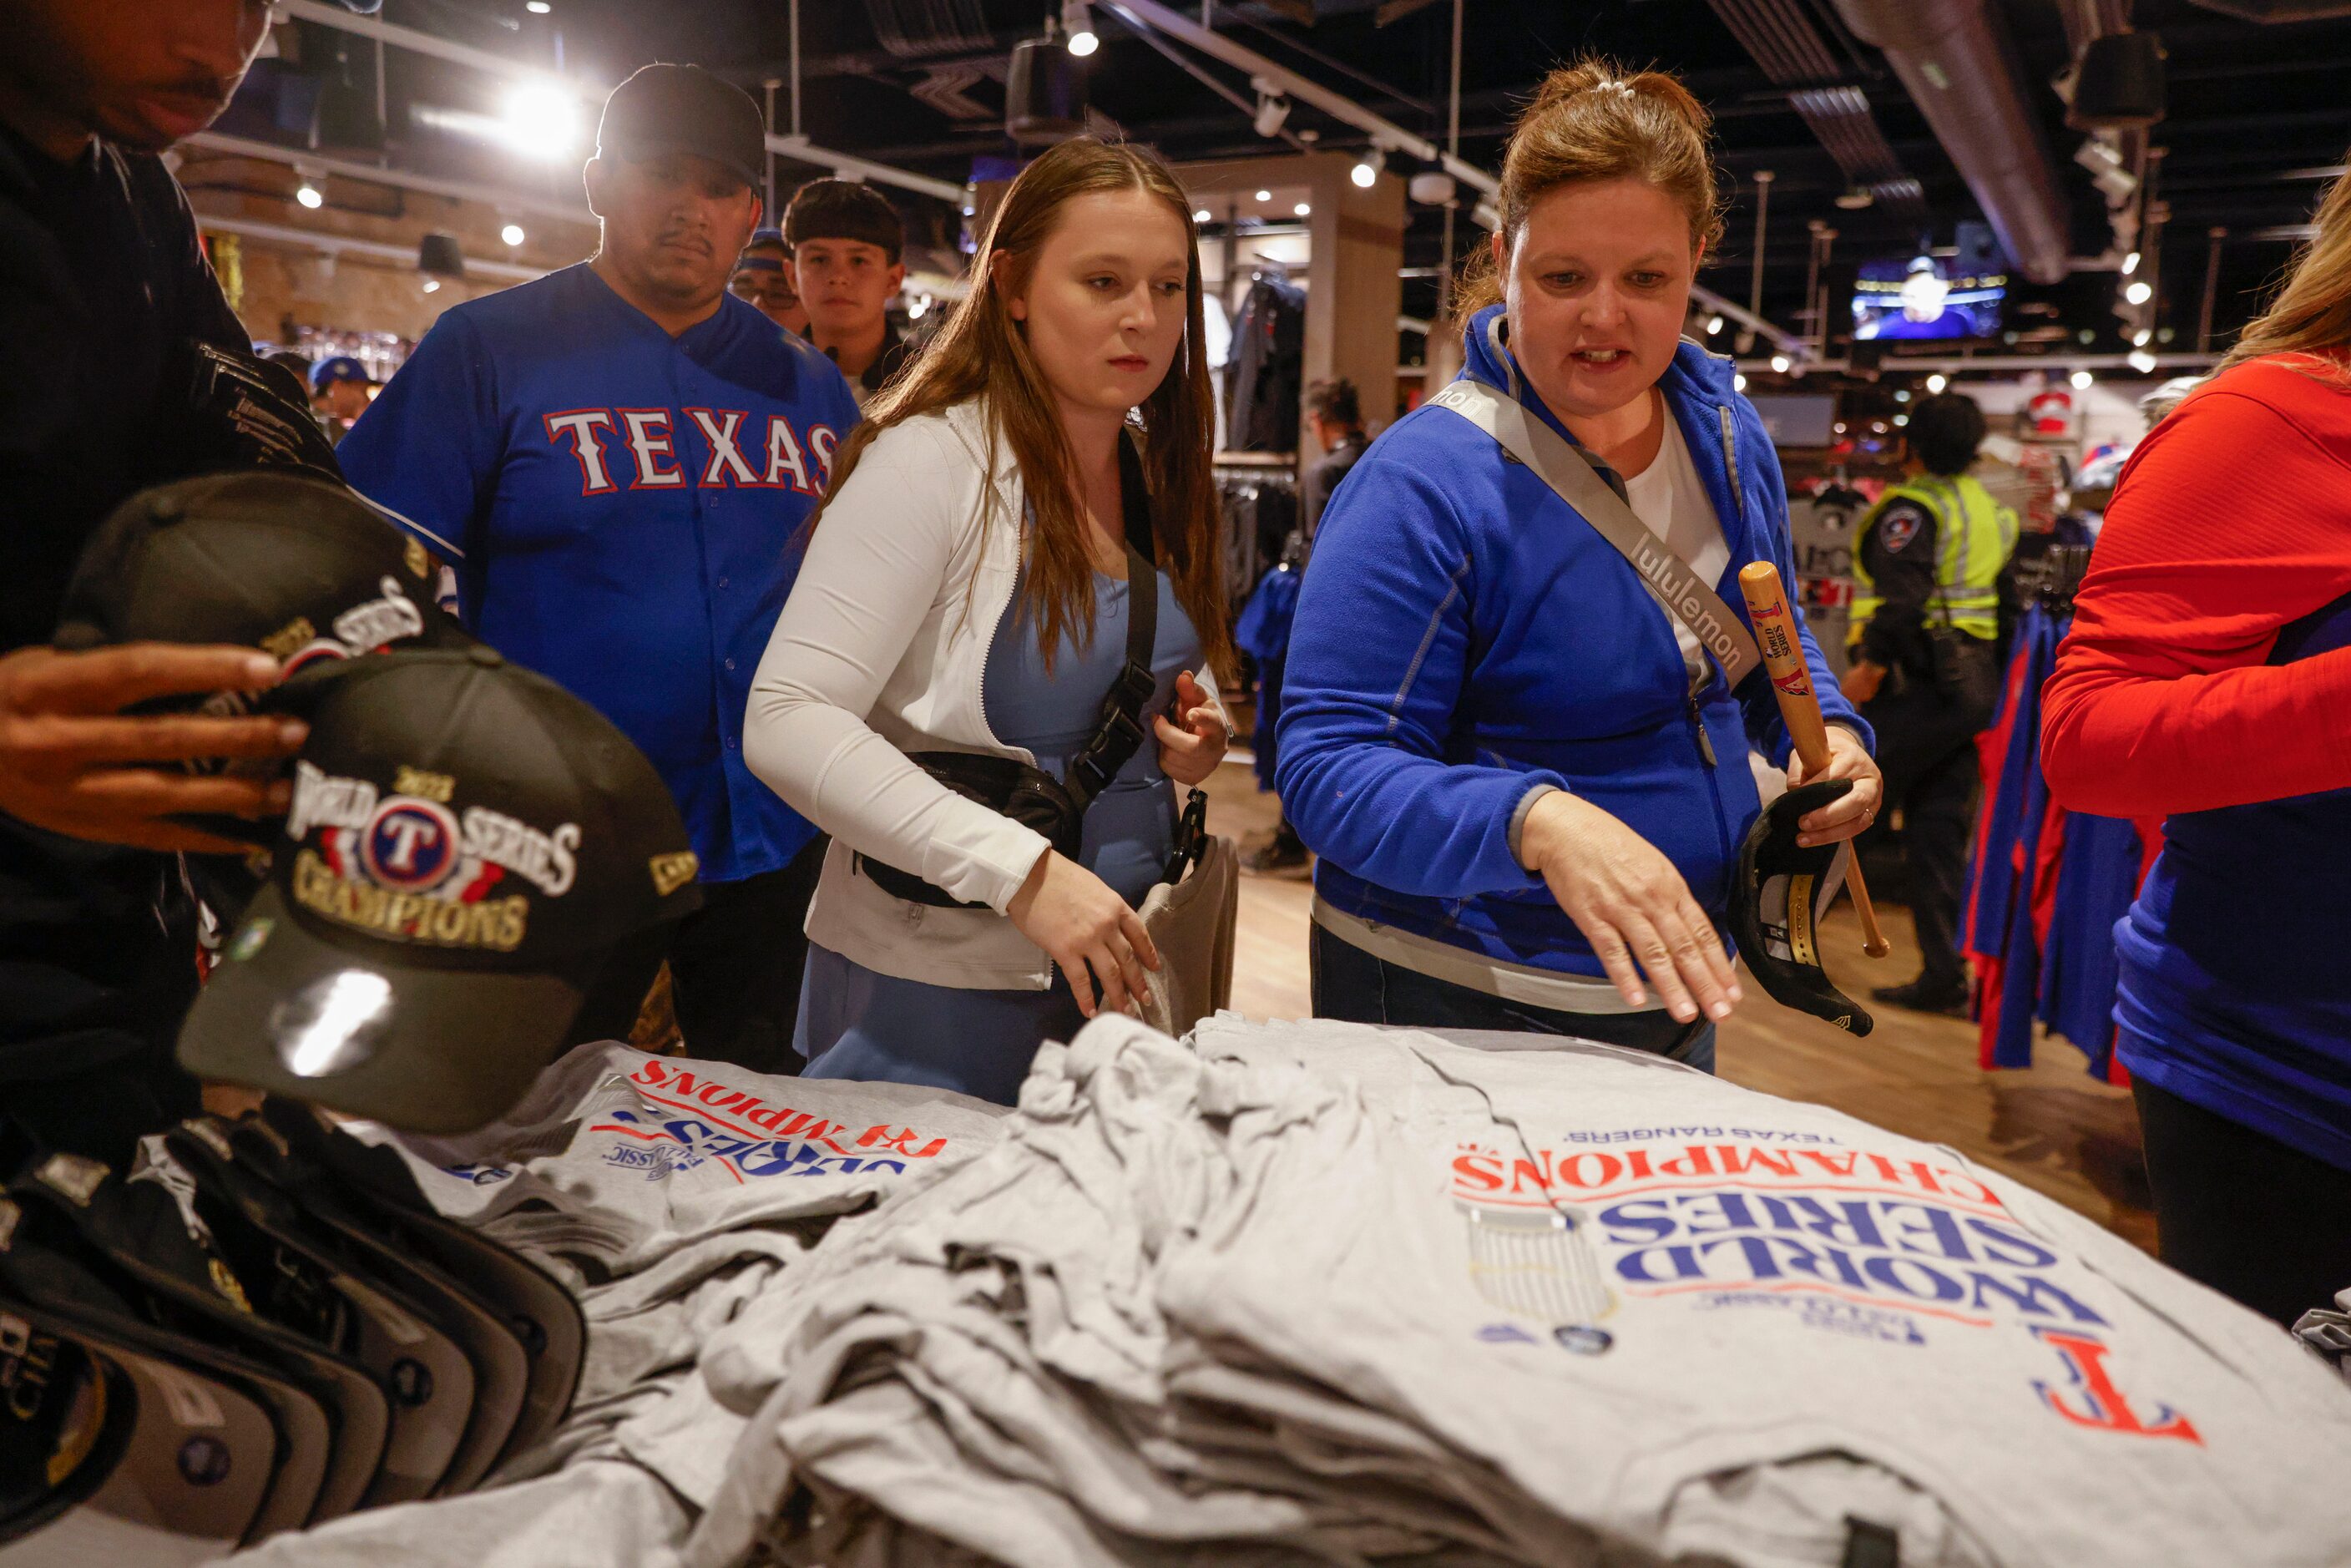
<point x="1558" y="463"/>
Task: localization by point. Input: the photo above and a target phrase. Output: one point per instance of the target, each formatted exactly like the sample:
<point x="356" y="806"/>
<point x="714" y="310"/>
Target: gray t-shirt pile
<point x="1321" y="1293"/>
<point x="668" y="1193"/>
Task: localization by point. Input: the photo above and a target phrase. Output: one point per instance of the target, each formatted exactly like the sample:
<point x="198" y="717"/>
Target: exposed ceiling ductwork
<point x="914" y="29"/>
<point x="1960" y="68"/>
<point x="2279" y="10"/>
<point x="1782" y="39"/>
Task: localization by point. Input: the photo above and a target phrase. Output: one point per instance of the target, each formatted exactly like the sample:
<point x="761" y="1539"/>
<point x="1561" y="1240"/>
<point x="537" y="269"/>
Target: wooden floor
<point x="2051" y="1127"/>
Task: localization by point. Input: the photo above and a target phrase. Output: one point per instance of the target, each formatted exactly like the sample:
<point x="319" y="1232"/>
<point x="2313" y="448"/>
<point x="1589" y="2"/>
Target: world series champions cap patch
<point x="467" y="844"/>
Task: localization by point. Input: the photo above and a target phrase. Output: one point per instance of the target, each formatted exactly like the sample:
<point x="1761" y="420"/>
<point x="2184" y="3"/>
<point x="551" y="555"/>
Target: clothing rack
<point x="1281" y="467"/>
<point x="2052" y="578"/>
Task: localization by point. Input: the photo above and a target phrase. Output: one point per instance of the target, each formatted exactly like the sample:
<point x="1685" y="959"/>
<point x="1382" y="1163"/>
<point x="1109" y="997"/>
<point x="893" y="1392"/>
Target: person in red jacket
<point x="2207" y="680"/>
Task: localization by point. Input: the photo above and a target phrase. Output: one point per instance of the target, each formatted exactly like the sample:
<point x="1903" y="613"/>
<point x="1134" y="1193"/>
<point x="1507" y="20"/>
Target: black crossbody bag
<point x="1034" y="798"/>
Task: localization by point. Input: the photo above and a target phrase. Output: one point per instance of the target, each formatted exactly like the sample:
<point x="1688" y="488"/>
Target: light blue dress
<point x="856" y="1023"/>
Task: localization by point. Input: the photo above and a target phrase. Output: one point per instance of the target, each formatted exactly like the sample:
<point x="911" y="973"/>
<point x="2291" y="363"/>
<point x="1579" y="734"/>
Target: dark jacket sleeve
<point x="1898" y="550"/>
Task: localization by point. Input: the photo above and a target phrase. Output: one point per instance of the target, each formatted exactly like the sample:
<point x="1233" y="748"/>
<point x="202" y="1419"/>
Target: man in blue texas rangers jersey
<point x="617" y="459"/>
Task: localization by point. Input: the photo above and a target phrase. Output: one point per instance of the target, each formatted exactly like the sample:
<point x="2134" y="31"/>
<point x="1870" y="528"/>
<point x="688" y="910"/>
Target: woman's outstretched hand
<point x="1631" y="905"/>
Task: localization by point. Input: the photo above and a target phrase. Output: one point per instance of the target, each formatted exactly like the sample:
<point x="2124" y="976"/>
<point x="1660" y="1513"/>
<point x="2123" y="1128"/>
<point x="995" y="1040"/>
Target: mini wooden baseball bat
<point x="1800" y="707"/>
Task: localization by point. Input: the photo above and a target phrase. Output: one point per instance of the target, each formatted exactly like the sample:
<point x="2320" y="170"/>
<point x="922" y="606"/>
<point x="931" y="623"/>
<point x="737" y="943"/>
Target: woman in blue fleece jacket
<point x="1526" y="783"/>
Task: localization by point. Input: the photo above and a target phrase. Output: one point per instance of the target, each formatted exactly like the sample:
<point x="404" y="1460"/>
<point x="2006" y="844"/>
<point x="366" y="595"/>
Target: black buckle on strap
<point x="1119" y="733"/>
<point x="1191" y="838"/>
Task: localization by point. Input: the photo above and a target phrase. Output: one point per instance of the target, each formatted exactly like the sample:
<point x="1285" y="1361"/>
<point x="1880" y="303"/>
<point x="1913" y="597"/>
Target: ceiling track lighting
<point x="1078" y="28"/>
<point x="1272" y="108"/>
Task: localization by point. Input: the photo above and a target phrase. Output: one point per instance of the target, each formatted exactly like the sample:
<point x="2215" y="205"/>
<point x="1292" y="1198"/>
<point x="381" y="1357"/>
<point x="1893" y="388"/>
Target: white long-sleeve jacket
<point x="882" y="650"/>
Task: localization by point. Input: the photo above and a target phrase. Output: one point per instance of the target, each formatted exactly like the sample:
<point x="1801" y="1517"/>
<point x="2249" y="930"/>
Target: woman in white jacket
<point x="966" y="590"/>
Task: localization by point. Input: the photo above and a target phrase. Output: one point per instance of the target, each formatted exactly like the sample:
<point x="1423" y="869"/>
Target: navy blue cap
<point x="342" y="368"/>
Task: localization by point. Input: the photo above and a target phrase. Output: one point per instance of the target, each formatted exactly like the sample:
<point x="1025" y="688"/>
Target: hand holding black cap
<point x="300" y="568"/>
<point x="1776" y="901"/>
<point x="664" y="108"/>
<point x="467" y="844"/>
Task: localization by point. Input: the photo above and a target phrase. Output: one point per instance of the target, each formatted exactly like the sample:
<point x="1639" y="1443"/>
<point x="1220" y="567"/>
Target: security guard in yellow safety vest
<point x="1926" y="616"/>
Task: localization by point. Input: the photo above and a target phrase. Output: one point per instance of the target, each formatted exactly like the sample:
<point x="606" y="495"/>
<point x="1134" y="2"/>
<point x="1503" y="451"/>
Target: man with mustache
<point x="107" y="302"/>
<point x="617" y="460"/>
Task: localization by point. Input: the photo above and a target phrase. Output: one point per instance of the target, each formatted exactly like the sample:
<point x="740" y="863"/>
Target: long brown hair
<point x="983" y="352"/>
<point x="1593" y="121"/>
<point x="2312" y="314"/>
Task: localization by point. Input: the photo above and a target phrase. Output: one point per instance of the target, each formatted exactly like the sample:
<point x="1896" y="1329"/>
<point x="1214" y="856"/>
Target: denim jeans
<point x="1353" y="986"/>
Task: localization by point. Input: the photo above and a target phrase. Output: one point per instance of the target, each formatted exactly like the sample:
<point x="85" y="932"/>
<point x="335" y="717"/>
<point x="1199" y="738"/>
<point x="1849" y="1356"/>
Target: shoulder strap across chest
<point x="1557" y="463"/>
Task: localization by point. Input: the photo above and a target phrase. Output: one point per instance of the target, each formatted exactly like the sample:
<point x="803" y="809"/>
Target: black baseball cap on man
<point x="664" y="108"/>
<point x="467" y="843"/>
<point x="1777" y="898"/>
<point x="844" y="209"/>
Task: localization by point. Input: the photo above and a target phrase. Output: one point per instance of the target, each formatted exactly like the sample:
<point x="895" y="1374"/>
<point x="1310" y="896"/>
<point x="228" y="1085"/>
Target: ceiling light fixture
<point x="1936" y="382"/>
<point x="2139" y="292"/>
<point x="1265" y="195"/>
<point x="1779" y="363"/>
<point x="1366" y="174"/>
<point x="1432" y="188"/>
<point x="1078" y="22"/>
<point x="2084" y="380"/>
<point x="1303" y="209"/>
<point x="536" y="7"/>
<point x="512" y="234"/>
<point x="539" y="120"/>
<point x="1713" y="324"/>
<point x="2130" y="264"/>
<point x="308" y="194"/>
<point x="1272" y="108"/>
<point x="1203" y="215"/>
<point x="2142" y="361"/>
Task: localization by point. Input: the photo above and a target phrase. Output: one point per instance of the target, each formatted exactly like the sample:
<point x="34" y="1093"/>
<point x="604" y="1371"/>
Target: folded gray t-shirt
<point x="1587" y="1300"/>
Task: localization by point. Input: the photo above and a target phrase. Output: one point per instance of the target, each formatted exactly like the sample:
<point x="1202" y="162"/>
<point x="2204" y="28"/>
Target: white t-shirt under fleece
<point x="1670" y="499"/>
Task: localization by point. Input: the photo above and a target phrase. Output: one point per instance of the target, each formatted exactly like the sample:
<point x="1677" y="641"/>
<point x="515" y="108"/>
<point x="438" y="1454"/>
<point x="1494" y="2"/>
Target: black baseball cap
<point x="1776" y="902"/>
<point x="467" y="842"/>
<point x="297" y="565"/>
<point x="665" y="108"/>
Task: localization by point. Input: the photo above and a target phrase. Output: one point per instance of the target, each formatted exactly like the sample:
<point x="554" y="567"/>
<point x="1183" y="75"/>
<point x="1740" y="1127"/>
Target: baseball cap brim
<point x="637" y="152"/>
<point x="426" y="1050"/>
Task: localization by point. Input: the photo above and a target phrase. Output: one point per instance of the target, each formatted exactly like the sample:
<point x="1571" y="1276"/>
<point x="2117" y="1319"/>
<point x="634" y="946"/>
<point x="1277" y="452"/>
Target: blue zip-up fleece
<point x="1463" y="635"/>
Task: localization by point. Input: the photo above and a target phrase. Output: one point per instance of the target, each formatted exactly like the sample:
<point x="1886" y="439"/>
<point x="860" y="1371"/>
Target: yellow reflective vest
<point x="1974" y="535"/>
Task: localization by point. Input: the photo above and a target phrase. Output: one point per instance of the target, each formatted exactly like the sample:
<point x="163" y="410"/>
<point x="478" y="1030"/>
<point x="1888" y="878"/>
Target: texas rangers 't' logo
<point x="410" y="844"/>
